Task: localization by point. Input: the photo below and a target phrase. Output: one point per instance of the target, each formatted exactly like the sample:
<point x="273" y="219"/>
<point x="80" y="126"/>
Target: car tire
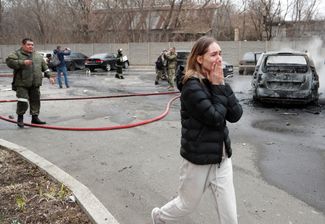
<point x="107" y="67"/>
<point x="126" y="64"/>
<point x="72" y="67"/>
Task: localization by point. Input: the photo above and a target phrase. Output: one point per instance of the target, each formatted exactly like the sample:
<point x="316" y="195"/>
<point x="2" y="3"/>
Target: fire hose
<point x="104" y="128"/>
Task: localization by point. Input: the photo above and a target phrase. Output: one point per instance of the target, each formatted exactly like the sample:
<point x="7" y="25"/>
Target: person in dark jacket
<point x="119" y="65"/>
<point x="29" y="67"/>
<point x="62" y="67"/>
<point x="207" y="103"/>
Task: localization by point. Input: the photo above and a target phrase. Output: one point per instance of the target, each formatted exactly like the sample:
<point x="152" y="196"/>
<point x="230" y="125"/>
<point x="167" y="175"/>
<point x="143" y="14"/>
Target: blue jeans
<point x="63" y="70"/>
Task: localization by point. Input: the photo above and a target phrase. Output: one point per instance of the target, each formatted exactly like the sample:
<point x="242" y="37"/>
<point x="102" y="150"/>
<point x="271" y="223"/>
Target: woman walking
<point x="206" y="104"/>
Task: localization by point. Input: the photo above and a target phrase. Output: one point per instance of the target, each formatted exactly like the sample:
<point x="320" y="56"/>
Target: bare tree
<point x="85" y="21"/>
<point x="263" y="13"/>
<point x="80" y="19"/>
<point x="168" y="19"/>
<point x="303" y="10"/>
<point x="225" y="27"/>
<point x="1" y="14"/>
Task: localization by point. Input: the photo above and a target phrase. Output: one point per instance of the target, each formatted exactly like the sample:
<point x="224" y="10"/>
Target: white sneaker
<point x="155" y="216"/>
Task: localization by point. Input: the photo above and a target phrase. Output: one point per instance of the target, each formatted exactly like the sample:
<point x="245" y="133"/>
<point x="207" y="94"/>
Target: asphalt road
<point x="279" y="153"/>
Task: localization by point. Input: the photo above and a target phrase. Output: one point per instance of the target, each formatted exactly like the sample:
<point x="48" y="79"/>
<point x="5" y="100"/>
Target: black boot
<point x="36" y="120"/>
<point x="20" y="121"/>
<point x="117" y="76"/>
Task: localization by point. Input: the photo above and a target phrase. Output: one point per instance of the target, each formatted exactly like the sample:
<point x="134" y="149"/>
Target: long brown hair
<point x="199" y="48"/>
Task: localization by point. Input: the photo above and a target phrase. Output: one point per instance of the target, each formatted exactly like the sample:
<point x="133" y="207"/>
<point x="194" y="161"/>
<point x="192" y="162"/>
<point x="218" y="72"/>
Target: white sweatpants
<point x="194" y="180"/>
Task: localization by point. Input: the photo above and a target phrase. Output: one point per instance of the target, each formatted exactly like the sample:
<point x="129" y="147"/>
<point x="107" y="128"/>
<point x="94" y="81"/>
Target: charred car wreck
<point x="285" y="77"/>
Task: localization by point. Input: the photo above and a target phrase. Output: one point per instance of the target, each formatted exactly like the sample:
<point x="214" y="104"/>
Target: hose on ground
<point x="104" y="128"/>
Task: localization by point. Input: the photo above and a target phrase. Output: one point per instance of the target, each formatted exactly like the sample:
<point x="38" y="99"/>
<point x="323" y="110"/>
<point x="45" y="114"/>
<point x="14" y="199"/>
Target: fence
<point x="146" y="53"/>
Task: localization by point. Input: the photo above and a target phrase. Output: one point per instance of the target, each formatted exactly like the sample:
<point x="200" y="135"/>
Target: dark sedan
<point x="228" y="69"/>
<point x="75" y="61"/>
<point x="105" y="61"/>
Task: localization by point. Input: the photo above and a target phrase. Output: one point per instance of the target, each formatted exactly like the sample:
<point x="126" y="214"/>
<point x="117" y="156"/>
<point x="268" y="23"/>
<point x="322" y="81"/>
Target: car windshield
<point x="286" y="59"/>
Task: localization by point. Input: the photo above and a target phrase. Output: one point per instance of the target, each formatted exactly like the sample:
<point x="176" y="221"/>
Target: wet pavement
<point x="279" y="152"/>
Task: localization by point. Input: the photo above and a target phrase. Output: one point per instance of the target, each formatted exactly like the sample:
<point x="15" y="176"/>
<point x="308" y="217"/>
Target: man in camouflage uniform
<point x="28" y="67"/>
<point x="160" y="67"/>
<point x="171" y="57"/>
<point x="119" y="65"/>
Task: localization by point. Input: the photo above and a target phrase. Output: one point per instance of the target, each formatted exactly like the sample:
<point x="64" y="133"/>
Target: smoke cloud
<point x="314" y="48"/>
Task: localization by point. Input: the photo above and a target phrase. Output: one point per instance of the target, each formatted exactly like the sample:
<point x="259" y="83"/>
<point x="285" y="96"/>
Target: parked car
<point x="182" y="57"/>
<point x="105" y="61"/>
<point x="228" y="69"/>
<point x="73" y="61"/>
<point x="285" y="77"/>
<point x="46" y="54"/>
<point x="248" y="62"/>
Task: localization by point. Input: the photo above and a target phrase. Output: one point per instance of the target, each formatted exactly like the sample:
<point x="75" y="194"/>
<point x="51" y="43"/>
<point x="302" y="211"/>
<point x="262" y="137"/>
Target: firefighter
<point x="119" y="65"/>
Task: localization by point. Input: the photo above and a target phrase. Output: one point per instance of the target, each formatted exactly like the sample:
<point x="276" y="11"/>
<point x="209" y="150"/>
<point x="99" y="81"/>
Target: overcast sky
<point x="321" y="7"/>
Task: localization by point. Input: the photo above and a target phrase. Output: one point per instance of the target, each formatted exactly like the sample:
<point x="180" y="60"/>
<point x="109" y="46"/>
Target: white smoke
<point x="314" y="48"/>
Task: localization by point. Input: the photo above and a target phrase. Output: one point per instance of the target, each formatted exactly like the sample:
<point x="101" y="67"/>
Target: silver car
<point x="285" y="77"/>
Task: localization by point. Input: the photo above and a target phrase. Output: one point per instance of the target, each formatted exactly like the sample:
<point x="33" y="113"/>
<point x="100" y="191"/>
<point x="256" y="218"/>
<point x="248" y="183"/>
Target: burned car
<point x="285" y="77"/>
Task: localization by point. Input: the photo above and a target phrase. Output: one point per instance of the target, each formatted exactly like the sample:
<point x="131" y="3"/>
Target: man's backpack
<point x="54" y="61"/>
<point x="159" y="63"/>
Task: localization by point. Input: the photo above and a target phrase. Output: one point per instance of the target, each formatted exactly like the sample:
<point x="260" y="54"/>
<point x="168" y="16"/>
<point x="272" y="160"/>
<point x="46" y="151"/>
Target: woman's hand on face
<point x="216" y="73"/>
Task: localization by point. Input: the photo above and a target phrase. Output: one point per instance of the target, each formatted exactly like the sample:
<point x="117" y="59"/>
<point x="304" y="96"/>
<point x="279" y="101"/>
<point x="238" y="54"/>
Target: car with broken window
<point x="285" y="77"/>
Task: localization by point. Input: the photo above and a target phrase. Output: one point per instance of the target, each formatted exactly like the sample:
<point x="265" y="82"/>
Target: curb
<point x="88" y="202"/>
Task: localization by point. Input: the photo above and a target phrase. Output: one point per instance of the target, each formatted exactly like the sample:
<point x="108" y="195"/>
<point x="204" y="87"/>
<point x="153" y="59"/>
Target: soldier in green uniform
<point x="29" y="67"/>
<point x="119" y="64"/>
<point x="171" y="57"/>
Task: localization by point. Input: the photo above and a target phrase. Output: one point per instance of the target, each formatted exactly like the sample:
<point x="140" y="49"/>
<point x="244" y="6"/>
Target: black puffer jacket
<point x="204" y="111"/>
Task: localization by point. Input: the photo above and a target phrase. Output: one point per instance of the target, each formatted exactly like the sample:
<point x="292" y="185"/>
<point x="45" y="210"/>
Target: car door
<point x="113" y="59"/>
<point x="80" y="60"/>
